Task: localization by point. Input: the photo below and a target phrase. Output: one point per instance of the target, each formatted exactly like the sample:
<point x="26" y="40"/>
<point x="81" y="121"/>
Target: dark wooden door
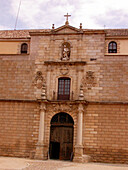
<point x="61" y="142"/>
<point x="66" y="147"/>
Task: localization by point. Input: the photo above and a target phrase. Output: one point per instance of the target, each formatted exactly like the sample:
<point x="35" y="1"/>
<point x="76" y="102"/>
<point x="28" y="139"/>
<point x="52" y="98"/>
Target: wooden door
<point x="66" y="147"/>
<point x="61" y="142"/>
<point x="61" y="137"/>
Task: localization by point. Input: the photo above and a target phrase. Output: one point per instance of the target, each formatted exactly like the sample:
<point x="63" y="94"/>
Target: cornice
<point x="116" y="37"/>
<point x="65" y="62"/>
<point x="15" y="39"/>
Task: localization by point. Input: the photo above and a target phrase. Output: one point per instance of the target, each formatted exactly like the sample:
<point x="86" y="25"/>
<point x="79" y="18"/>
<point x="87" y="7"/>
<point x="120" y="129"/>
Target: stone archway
<point x="61" y="137"/>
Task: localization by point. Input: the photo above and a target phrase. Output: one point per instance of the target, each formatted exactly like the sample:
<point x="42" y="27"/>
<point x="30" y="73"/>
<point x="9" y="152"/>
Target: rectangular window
<point x="64" y="88"/>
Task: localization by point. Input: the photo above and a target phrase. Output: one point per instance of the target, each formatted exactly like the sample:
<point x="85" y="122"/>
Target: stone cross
<point x="66" y="23"/>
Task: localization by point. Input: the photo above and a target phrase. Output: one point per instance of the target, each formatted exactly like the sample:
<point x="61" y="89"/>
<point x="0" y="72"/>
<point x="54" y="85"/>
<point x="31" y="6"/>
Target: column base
<point x="41" y="152"/>
<point x="78" y="153"/>
<point x="79" y="157"/>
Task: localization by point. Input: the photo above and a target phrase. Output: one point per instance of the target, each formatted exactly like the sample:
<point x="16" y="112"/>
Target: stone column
<point x="41" y="148"/>
<point x="79" y="145"/>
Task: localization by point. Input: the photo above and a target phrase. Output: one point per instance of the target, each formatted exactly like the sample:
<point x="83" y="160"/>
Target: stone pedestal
<point x="79" y="157"/>
<point x="78" y="154"/>
<point x="41" y="152"/>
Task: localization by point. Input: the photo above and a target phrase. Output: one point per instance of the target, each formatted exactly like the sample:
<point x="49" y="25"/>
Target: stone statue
<point x="65" y="53"/>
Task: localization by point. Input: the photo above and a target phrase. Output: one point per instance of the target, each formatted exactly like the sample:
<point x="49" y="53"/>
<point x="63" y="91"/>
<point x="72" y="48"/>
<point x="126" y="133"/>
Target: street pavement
<point x="10" y="163"/>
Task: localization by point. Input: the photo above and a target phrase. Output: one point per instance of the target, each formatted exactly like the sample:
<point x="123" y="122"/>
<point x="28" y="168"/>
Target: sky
<point x="41" y="14"/>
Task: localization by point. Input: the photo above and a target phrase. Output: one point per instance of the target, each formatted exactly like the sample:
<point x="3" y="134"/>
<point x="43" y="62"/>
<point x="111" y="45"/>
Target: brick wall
<point x="106" y="132"/>
<point x="114" y="78"/>
<point x="19" y="125"/>
<point x="16" y="77"/>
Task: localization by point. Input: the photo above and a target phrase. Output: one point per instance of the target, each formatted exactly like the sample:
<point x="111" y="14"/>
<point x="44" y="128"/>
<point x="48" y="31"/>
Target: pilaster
<point x="41" y="148"/>
<point x="79" y="145"/>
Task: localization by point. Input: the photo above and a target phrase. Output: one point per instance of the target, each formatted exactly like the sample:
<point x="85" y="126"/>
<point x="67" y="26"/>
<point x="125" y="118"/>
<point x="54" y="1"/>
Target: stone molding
<point x="65" y="62"/>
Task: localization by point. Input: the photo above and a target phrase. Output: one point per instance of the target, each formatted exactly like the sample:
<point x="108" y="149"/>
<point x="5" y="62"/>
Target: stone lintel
<point x="63" y="101"/>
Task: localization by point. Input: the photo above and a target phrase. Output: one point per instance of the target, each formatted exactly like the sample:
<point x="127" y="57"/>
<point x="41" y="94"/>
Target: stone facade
<point x="98" y="102"/>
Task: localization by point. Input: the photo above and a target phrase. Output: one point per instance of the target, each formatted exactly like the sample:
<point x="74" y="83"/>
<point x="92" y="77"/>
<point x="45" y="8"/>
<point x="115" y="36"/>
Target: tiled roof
<point x="26" y="33"/>
<point x="116" y="32"/>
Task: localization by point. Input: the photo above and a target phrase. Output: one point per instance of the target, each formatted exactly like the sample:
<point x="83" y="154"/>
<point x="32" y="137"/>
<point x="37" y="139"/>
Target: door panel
<point x="64" y="136"/>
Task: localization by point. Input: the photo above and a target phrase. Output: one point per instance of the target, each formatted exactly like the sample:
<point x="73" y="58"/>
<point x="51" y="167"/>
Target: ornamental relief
<point x="89" y="80"/>
<point x="39" y="81"/>
<point x="64" y="70"/>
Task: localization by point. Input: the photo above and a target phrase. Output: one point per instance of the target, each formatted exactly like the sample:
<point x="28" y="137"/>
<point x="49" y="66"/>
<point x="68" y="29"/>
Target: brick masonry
<point x="19" y="128"/>
<point x="106" y="132"/>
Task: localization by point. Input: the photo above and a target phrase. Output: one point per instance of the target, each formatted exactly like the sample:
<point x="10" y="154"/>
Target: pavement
<point x="10" y="163"/>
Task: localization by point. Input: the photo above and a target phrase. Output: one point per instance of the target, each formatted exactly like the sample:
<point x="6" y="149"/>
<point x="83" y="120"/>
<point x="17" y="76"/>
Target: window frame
<point x="112" y="47"/>
<point x="64" y="87"/>
<point x="24" y="48"/>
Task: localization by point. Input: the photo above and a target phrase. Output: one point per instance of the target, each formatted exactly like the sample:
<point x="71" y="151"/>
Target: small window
<point x="64" y="88"/>
<point x="112" y="47"/>
<point x="24" y="48"/>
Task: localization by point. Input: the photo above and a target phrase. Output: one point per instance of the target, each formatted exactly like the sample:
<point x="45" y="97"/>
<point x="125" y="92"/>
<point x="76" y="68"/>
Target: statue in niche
<point x="65" y="51"/>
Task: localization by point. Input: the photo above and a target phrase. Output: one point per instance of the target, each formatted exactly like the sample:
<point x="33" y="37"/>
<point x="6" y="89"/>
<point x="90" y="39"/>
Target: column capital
<point x="43" y="107"/>
<point x="80" y="107"/>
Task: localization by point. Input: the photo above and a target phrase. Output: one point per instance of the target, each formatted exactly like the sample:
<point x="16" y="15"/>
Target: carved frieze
<point x="62" y="107"/>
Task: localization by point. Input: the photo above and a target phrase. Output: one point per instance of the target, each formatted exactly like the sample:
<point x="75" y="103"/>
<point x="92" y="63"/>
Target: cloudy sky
<point x="41" y="14"/>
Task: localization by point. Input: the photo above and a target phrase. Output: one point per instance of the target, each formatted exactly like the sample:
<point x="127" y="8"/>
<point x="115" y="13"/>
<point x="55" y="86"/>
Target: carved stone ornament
<point x="88" y="80"/>
<point x="63" y="108"/>
<point x="64" y="70"/>
<point x="39" y="80"/>
<point x="65" y="51"/>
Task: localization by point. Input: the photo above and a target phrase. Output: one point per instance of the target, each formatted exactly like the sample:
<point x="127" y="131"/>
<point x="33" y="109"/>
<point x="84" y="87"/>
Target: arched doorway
<point x="61" y="137"/>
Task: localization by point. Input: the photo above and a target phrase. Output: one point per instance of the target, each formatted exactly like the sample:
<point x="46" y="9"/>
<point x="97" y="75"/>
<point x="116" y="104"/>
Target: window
<point x="112" y="47"/>
<point x="64" y="88"/>
<point x="24" y="48"/>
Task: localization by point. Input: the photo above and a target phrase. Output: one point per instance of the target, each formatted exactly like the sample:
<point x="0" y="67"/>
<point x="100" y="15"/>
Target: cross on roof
<point x="67" y="18"/>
